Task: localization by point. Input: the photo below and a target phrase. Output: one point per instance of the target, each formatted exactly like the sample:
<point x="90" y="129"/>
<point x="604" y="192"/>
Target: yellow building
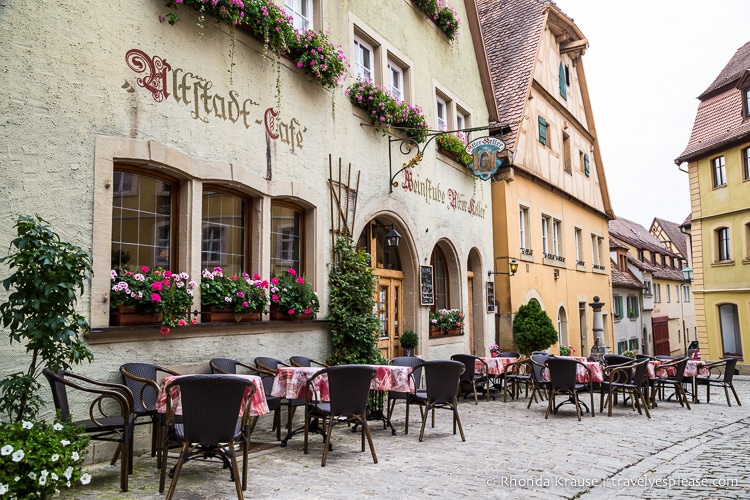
<point x="551" y="205"/>
<point x="718" y="162"/>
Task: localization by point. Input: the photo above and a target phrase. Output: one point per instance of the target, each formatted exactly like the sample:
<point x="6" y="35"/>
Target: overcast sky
<point x="647" y="63"/>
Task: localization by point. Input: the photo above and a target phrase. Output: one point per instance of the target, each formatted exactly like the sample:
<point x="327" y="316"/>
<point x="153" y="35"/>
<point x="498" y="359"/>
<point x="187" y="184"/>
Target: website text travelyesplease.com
<point x="648" y="483"/>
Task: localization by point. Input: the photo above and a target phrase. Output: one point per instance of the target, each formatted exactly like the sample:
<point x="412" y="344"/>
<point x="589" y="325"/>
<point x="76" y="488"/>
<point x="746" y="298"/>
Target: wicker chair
<point x="303" y="361"/>
<point x="226" y="365"/>
<point x="721" y="374"/>
<point x="442" y="380"/>
<point x="211" y="406"/>
<point x="562" y="380"/>
<point x="270" y="365"/>
<point x="539" y="383"/>
<point x="471" y="380"/>
<point x="141" y="379"/>
<point x="675" y="381"/>
<point x="348" y="388"/>
<point x="627" y="378"/>
<point x="114" y="427"/>
<point x="394" y="396"/>
<point x="516" y="374"/>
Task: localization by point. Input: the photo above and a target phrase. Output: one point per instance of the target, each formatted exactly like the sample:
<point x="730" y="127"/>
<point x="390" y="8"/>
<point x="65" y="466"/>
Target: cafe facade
<point x="193" y="145"/>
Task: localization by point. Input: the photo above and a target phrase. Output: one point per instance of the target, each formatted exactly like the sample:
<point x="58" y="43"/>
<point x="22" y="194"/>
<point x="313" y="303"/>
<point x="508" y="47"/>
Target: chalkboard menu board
<point x="490" y="297"/>
<point x="425" y="278"/>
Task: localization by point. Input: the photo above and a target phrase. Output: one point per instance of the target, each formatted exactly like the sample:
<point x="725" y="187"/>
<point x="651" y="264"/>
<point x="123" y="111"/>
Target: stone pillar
<point x="599" y="349"/>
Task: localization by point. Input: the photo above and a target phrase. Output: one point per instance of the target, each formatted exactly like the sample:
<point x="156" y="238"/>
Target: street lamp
<point x="512" y="264"/>
<point x="687" y="274"/>
<point x="687" y="277"/>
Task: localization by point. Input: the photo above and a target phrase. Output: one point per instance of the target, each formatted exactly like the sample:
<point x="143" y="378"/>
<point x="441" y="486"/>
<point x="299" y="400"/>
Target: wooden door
<point x="660" y="328"/>
<point x="388" y="299"/>
<point x="469" y="318"/>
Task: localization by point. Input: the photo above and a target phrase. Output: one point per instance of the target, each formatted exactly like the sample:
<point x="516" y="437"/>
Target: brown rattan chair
<point x="271" y="364"/>
<point x="539" y="382"/>
<point x="677" y="367"/>
<point x="471" y="380"/>
<point x="115" y="425"/>
<point x="348" y="389"/>
<point x="517" y="373"/>
<point x="211" y="406"/>
<point x="394" y="396"/>
<point x="226" y="365"/>
<point x="562" y="380"/>
<point x="721" y="374"/>
<point x="141" y="379"/>
<point x="442" y="381"/>
<point x="303" y="361"/>
<point x="626" y="378"/>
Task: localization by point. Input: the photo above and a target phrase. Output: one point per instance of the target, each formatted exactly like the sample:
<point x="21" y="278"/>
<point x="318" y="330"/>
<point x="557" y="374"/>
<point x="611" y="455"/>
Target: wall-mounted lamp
<point x="392" y="237"/>
<point x="557" y="273"/>
<point x="512" y="265"/>
<point x="687" y="274"/>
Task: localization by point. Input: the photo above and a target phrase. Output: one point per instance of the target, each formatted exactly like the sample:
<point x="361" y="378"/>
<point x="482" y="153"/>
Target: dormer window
<point x="746" y="102"/>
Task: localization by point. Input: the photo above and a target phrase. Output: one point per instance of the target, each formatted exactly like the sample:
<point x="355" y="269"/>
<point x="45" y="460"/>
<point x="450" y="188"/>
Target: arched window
<point x="729" y="321"/>
<point x="562" y="326"/>
<point x="143" y="215"/>
<point x="440" y="277"/>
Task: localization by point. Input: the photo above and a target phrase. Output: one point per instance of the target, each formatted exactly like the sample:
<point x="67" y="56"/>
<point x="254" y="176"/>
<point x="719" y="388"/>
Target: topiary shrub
<point x="533" y="329"/>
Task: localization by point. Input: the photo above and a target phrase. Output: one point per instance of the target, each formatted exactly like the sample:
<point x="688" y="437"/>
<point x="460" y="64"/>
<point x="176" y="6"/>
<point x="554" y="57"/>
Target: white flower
<point x="67" y="484"/>
<point x="6" y="450"/>
<point x="68" y="473"/>
<point x="45" y="473"/>
<point x="27" y="425"/>
<point x="17" y="478"/>
<point x="32" y="475"/>
<point x="18" y="455"/>
<point x="42" y="480"/>
<point x="85" y="478"/>
<point x="54" y="476"/>
<point x="55" y="457"/>
<point x="3" y="489"/>
<point x="58" y="426"/>
<point x="74" y="455"/>
<point x="64" y="442"/>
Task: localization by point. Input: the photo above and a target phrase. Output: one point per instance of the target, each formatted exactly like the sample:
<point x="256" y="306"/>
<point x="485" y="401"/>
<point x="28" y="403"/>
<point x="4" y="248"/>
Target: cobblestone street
<point x="510" y="452"/>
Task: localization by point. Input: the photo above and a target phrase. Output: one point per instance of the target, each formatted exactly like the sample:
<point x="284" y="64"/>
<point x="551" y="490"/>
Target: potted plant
<point x="494" y="350"/>
<point x="447" y="321"/>
<point x="353" y="325"/>
<point x="455" y="147"/>
<point x="232" y="298"/>
<point x="442" y="14"/>
<point x="567" y="350"/>
<point x="533" y="329"/>
<point x="164" y="296"/>
<point x="38" y="458"/>
<point x="409" y="341"/>
<point x="629" y="353"/>
<point x="292" y="296"/>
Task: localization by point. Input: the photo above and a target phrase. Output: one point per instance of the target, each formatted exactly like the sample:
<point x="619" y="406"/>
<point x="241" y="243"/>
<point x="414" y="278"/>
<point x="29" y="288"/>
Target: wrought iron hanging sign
<point x="485" y="153"/>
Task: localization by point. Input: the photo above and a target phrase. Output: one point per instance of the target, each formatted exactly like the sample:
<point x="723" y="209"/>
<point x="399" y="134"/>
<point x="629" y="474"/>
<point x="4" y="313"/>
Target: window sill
<point x="720" y="263"/>
<point x="118" y="334"/>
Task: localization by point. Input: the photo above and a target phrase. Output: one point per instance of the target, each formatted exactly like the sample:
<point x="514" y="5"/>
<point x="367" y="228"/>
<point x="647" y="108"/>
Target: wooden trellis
<point x="343" y="200"/>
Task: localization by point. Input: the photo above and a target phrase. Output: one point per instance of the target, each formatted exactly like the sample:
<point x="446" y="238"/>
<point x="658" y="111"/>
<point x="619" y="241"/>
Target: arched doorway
<point x="386" y="267"/>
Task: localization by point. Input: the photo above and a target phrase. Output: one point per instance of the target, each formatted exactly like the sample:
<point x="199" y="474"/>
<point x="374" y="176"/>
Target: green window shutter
<point x="542" y="130"/>
<point x="563" y="89"/>
<point x="586" y="166"/>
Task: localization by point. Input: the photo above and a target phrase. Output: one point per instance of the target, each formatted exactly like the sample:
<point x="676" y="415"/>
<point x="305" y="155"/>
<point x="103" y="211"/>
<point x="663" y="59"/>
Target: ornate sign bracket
<point x="407" y="145"/>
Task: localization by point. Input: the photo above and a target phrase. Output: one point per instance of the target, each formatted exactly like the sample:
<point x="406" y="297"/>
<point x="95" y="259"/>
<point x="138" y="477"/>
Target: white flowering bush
<point x="38" y="459"/>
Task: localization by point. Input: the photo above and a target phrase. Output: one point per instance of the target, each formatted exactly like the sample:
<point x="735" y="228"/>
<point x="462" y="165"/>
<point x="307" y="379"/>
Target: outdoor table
<point x="696" y="368"/>
<point x="495" y="366"/>
<point x="258" y="404"/>
<point x="582" y="375"/>
<point x="291" y="383"/>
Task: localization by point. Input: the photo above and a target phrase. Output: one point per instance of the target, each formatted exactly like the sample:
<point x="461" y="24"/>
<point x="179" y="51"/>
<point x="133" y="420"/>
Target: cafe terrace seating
<point x="141" y="379"/>
<point x="226" y="365"/>
<point x="348" y="390"/>
<point x="562" y="380"/>
<point x="721" y="374"/>
<point x="671" y="374"/>
<point x="394" y="396"/>
<point x="304" y="361"/>
<point x="116" y="426"/>
<point x="209" y="426"/>
<point x="270" y="365"/>
<point x="472" y="380"/>
<point x="516" y="373"/>
<point x="442" y="380"/>
<point x="539" y="383"/>
<point x="626" y="378"/>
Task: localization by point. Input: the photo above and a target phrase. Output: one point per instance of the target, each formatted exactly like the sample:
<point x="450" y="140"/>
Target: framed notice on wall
<point x="425" y="280"/>
<point x="490" y="297"/>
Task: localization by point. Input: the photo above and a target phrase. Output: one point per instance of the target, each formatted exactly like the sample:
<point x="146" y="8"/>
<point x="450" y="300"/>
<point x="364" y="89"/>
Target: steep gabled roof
<point x="719" y="121"/>
<point x="677" y="237"/>
<point x="637" y="236"/>
<point x="621" y="278"/>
